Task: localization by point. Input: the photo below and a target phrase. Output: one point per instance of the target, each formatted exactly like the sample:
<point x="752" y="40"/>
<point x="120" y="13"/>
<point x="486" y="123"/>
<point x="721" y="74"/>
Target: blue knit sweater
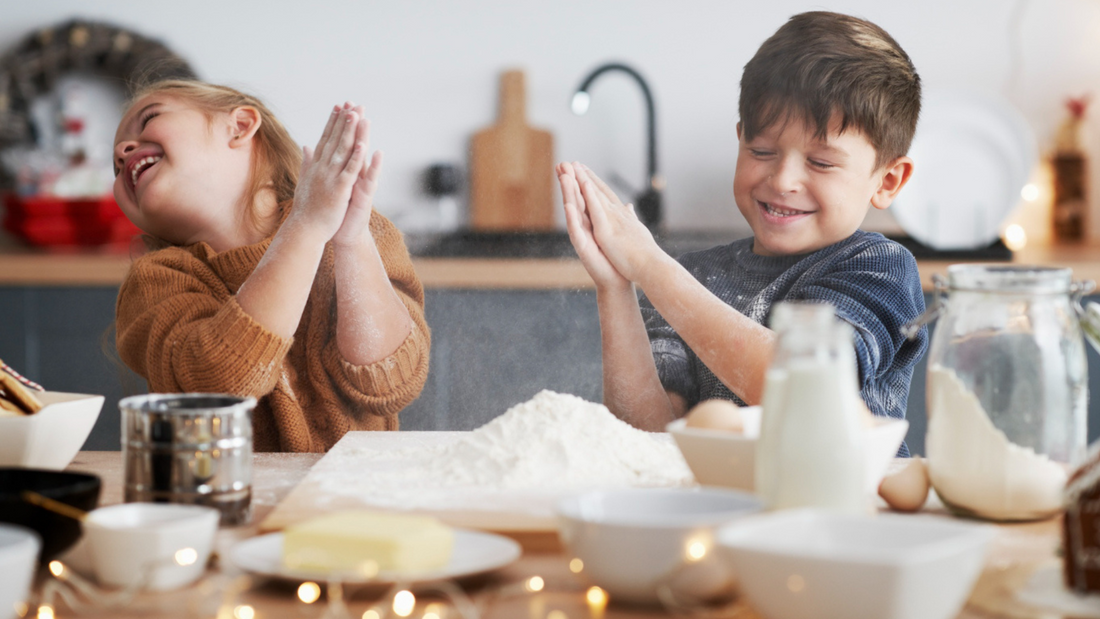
<point x="872" y="281"/>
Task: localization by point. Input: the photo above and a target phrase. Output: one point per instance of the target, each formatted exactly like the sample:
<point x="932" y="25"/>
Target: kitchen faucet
<point x="647" y="203"/>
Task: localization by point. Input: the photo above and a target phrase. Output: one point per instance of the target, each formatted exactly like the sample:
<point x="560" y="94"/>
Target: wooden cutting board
<point x="313" y="495"/>
<point x="511" y="168"/>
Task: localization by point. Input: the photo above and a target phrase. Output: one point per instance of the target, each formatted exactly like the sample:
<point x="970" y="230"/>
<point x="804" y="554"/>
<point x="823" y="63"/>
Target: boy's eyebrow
<point x="832" y="150"/>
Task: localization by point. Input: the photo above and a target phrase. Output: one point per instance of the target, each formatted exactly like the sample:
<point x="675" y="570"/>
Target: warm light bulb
<point x="1015" y="237"/>
<point x="576" y="566"/>
<point x="580" y="102"/>
<point x="534" y="583"/>
<point x="187" y="556"/>
<point x="404" y="603"/>
<point x="1030" y="192"/>
<point x="372" y="614"/>
<point x="596" y="596"/>
<point x="45" y="612"/>
<point x="57" y="568"/>
<point x="244" y="611"/>
<point x="309" y="592"/>
<point x="696" y="551"/>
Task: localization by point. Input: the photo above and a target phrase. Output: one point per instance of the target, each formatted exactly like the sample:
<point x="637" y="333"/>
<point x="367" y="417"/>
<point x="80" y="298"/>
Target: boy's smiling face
<point x="801" y="193"/>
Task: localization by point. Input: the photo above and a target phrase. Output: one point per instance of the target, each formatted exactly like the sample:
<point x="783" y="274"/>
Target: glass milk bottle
<point x="810" y="450"/>
<point x="1007" y="392"/>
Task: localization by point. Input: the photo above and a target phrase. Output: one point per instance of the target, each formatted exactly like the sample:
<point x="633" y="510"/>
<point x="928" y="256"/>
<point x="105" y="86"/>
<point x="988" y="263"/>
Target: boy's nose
<point x="785" y="179"/>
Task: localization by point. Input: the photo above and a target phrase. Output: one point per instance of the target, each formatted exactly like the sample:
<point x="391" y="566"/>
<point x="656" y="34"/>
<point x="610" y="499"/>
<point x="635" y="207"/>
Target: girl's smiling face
<point x="801" y="193"/>
<point x="181" y="175"/>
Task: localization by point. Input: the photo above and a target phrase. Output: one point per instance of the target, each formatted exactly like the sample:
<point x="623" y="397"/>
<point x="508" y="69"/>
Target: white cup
<point x="18" y="559"/>
<point x="157" y="546"/>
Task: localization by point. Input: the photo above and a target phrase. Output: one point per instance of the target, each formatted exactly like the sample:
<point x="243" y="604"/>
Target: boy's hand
<point x="357" y="219"/>
<point x="580" y="232"/>
<point x="625" y="241"/>
<point x="329" y="172"/>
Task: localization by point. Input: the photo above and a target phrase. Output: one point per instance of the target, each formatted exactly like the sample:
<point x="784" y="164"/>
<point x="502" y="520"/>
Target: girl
<point x="275" y="279"/>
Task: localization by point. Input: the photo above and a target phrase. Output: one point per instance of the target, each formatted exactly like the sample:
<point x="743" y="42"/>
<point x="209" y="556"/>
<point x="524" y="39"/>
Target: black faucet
<point x="647" y="203"/>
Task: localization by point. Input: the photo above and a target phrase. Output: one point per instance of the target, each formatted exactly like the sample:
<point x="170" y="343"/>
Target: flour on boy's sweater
<point x="549" y="446"/>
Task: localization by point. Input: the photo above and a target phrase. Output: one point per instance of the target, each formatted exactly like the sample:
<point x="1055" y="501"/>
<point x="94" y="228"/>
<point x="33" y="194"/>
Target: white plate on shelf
<point x="972" y="155"/>
<point x="474" y="552"/>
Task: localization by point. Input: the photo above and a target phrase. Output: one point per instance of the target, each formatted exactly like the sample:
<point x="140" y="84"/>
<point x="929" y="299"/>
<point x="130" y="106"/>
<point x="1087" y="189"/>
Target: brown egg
<point x="716" y="415"/>
<point x="907" y="489"/>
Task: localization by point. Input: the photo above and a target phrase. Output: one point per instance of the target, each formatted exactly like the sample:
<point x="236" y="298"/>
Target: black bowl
<point x="80" y="490"/>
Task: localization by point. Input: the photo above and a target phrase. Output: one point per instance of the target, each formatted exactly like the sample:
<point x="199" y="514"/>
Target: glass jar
<point x="1007" y="389"/>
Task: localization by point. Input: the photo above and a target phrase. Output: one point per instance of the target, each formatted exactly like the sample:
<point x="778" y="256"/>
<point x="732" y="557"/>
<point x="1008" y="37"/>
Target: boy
<point x="828" y="107"/>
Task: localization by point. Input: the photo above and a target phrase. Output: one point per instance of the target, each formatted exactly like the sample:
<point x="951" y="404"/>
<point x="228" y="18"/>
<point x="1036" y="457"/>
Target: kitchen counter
<point x="1017" y="550"/>
<point x="24" y="266"/>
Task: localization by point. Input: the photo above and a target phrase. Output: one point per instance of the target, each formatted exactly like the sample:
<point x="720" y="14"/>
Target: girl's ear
<point x="245" y="121"/>
<point x="894" y="176"/>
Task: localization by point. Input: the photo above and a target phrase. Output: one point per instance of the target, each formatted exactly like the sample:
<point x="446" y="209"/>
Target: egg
<point x="716" y="415"/>
<point x="907" y="489"/>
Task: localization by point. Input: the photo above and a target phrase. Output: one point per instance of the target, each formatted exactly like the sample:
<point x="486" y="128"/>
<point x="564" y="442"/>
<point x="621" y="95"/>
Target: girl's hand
<point x="625" y="241"/>
<point x="330" y="171"/>
<point x="580" y="232"/>
<point x="357" y="219"/>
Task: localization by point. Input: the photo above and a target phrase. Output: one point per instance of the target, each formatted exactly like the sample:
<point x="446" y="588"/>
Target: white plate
<point x="973" y="154"/>
<point x="474" y="552"/>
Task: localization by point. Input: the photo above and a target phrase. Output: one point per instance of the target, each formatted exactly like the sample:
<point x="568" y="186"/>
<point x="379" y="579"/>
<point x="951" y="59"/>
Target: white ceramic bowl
<point x="18" y="560"/>
<point x="811" y="563"/>
<point x="50" y="438"/>
<point x="722" y="458"/>
<point x="634" y="541"/>
<point x="159" y="546"/>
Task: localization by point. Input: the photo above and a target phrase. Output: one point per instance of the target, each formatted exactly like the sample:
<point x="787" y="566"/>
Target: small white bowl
<point x="634" y="541"/>
<point x="728" y="459"/>
<point x="19" y="549"/>
<point x="50" y="438"/>
<point x="158" y="546"/>
<point x="811" y="563"/>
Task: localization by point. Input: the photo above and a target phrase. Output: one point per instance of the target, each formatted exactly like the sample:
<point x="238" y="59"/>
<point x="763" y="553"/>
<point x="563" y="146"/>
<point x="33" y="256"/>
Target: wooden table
<point x="1015" y="553"/>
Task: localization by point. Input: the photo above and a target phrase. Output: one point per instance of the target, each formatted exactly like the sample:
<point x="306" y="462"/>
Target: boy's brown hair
<point x="819" y="64"/>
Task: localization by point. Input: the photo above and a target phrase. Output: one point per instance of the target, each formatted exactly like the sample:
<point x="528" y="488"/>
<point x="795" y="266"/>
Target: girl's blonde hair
<point x="277" y="158"/>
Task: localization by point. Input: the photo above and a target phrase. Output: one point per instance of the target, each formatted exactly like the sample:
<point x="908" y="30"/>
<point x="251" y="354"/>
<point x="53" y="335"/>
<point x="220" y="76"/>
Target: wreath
<point x="33" y="67"/>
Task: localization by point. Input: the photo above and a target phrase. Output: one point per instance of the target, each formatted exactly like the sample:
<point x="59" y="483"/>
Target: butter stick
<point x="366" y="542"/>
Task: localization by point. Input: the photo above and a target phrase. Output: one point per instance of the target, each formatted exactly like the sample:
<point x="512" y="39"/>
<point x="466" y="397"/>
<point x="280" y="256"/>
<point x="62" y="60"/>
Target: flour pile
<point x="551" y="445"/>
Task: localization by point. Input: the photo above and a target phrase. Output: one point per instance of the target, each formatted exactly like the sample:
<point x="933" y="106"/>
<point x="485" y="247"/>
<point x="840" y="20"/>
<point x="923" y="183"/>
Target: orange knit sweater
<point x="180" y="327"/>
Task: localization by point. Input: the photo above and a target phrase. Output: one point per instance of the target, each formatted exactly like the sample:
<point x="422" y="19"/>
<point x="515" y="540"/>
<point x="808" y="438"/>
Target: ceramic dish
<point x="19" y="548"/>
<point x="474" y="552"/>
<point x="722" y="458"/>
<point x="634" y="542"/>
<point x="973" y="155"/>
<point x="810" y="563"/>
<point x="162" y="546"/>
<point x="58" y="533"/>
<point x="50" y="438"/>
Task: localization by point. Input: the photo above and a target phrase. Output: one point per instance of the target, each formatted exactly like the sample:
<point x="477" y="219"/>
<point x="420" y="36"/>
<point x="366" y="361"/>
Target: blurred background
<point x="431" y="75"/>
<point x="428" y="73"/>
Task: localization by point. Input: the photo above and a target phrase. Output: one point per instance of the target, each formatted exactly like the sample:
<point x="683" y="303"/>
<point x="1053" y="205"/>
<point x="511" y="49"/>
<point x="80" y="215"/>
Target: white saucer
<point x="474" y="552"/>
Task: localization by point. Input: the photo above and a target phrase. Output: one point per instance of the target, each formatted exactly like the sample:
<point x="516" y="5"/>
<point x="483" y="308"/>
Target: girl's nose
<point x="122" y="150"/>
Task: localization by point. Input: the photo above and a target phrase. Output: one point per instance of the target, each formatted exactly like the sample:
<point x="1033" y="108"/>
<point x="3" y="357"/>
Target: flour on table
<point x="550" y="446"/>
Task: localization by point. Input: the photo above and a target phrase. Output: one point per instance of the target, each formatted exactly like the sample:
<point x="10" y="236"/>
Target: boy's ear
<point x="894" y="176"/>
<point x="244" y="121"/>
